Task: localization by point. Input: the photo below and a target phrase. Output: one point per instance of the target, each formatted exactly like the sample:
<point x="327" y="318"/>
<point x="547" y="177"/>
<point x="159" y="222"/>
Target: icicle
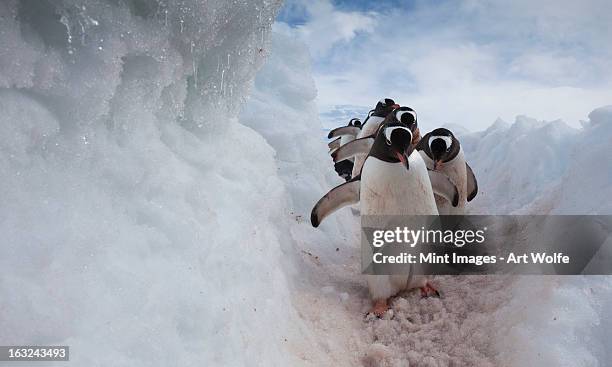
<point x="194" y="64"/>
<point x="263" y="37"/>
<point x="82" y="32"/>
<point x="195" y="73"/>
<point x="66" y="23"/>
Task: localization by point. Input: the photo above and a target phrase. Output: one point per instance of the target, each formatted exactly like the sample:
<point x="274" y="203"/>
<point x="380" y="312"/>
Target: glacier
<point x="159" y="160"/>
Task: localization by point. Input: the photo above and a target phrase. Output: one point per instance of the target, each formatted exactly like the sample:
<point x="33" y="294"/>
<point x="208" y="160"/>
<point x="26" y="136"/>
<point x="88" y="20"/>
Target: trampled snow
<point x="150" y="217"/>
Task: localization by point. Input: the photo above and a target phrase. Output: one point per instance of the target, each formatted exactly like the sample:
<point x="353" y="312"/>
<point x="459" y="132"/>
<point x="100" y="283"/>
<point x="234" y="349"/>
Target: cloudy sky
<point x="464" y="62"/>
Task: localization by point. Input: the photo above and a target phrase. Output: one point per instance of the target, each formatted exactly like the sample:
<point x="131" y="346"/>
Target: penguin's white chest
<point x="371" y="126"/>
<point x="391" y="189"/>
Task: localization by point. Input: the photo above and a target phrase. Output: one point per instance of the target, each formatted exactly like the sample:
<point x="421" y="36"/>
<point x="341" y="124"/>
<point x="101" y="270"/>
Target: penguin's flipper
<point x="336" y="198"/>
<point x="472" y="184"/>
<point x="356" y="147"/>
<point x="344" y="130"/>
<point x="442" y="186"/>
<point x="334" y="144"/>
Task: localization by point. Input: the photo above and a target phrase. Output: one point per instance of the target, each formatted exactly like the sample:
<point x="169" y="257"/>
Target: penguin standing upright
<point x="370" y="126"/>
<point x="346" y="134"/>
<point x="359" y="148"/>
<point x="377" y="116"/>
<point x="442" y="153"/>
<point x="393" y="181"/>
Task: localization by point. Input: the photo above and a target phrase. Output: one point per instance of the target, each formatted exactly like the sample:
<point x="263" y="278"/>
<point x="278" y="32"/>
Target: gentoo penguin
<point x="371" y="124"/>
<point x="376" y="116"/>
<point x="405" y="115"/>
<point x="346" y="134"/>
<point x="358" y="147"/>
<point x="442" y="152"/>
<point x="361" y="146"/>
<point x="393" y="181"/>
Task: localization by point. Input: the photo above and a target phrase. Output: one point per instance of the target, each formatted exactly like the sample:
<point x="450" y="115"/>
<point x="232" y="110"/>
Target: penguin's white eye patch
<point x="389" y="131"/>
<point x="411" y="118"/>
<point x="447" y="140"/>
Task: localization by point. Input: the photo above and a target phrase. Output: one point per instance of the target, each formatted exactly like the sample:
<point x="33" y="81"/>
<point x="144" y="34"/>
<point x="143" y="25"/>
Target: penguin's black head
<point x="408" y="117"/>
<point x="398" y="141"/>
<point x="355" y="122"/>
<point x="384" y="107"/>
<point x="443" y="146"/>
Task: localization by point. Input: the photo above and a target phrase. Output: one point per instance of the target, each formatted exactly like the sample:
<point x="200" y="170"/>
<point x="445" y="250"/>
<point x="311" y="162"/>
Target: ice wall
<point x="543" y="167"/>
<point x="537" y="167"/>
<point x="282" y="109"/>
<point x="516" y="163"/>
<point x="136" y="213"/>
<point x="585" y="186"/>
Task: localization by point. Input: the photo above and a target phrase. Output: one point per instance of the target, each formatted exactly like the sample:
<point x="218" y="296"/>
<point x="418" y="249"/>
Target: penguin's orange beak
<point x="402" y="158"/>
<point x="396" y="106"/>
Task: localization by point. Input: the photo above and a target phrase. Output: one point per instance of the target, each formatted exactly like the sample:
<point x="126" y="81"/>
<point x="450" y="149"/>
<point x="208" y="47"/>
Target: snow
<point x="136" y="227"/>
<point x="516" y="163"/>
<point x="159" y="162"/>
<point x="543" y="167"/>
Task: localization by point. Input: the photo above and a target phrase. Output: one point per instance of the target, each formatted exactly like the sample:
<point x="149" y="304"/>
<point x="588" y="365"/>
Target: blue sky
<point x="463" y="62"/>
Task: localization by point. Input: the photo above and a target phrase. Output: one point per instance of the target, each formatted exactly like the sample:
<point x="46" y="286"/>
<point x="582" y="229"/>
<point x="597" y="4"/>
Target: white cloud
<point x="328" y="26"/>
<point x="468" y="62"/>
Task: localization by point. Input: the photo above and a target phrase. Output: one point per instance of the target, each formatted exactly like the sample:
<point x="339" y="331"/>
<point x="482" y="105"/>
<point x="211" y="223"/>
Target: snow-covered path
<point x="479" y="321"/>
<point x="455" y="330"/>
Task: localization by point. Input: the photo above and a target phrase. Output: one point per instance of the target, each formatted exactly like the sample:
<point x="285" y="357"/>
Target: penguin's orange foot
<point x="380" y="307"/>
<point x="429" y="291"/>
